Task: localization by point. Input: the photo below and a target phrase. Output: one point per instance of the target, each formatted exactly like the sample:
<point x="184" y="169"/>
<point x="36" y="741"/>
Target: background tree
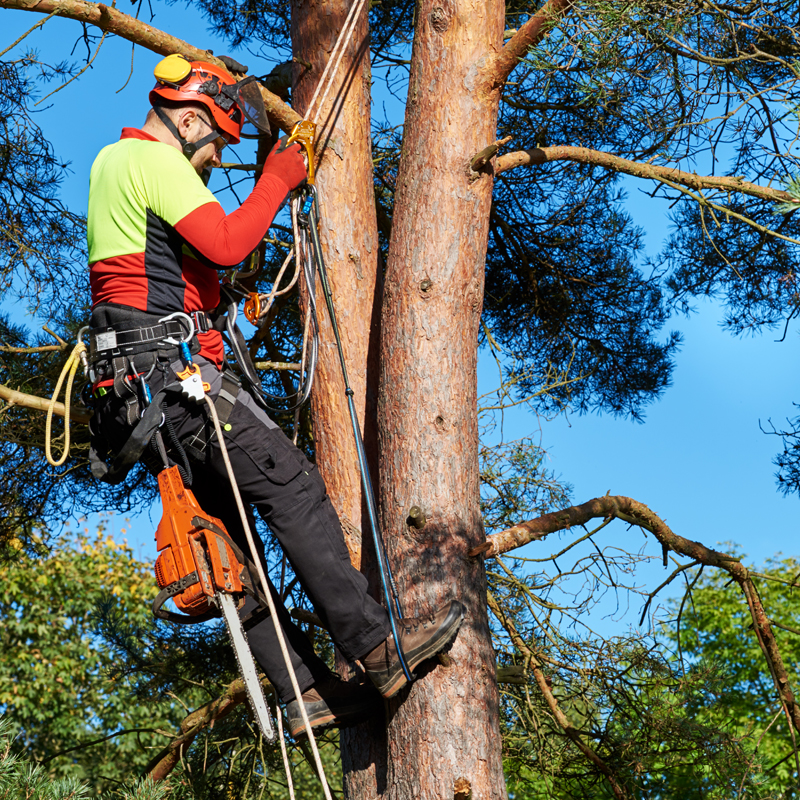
<point x="445" y="229"/>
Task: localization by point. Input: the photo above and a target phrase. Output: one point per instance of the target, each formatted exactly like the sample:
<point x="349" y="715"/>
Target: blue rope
<point x="387" y="579"/>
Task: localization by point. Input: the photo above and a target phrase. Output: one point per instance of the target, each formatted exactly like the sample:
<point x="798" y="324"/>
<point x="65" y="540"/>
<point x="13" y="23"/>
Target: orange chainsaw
<point x="205" y="574"/>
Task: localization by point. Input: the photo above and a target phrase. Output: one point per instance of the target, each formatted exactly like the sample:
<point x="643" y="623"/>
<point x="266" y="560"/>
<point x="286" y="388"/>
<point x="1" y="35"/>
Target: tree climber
<point x="157" y="237"/>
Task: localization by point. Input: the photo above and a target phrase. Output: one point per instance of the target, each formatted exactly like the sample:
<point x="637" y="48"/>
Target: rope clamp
<point x="305" y="133"/>
<point x="193" y="386"/>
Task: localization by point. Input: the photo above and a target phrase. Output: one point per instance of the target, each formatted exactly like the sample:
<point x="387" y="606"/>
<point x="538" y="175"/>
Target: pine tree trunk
<point x="349" y="236"/>
<point x="443" y="738"/>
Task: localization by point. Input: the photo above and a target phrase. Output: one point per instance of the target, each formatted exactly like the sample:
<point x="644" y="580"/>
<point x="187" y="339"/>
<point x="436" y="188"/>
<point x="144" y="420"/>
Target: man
<point x="157" y="237"/>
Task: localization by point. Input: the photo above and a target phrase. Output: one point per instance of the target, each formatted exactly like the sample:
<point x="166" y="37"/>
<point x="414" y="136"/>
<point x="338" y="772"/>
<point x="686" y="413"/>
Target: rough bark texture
<point x="442" y="735"/>
<point x="350" y="242"/>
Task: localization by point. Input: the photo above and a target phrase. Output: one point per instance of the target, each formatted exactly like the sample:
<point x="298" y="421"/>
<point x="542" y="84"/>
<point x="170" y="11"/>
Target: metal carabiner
<point x="181" y="317"/>
<point x="87" y="372"/>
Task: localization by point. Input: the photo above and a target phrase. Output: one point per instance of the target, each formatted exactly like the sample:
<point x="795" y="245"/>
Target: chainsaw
<point x="206" y="575"/>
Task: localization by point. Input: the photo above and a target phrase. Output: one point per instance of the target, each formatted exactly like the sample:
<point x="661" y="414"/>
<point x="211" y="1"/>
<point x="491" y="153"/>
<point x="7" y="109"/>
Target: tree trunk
<point x="350" y="243"/>
<point x="348" y="231"/>
<point x="443" y="738"/>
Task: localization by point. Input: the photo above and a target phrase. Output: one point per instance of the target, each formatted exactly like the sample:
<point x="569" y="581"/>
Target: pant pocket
<point x="283" y="462"/>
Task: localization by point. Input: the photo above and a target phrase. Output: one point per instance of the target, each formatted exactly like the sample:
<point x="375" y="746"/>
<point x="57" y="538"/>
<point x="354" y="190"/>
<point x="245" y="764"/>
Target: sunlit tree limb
<point x="636" y="513"/>
<point x="15" y="398"/>
<point x="537" y="156"/>
<point x="532" y="32"/>
<point x="233" y="695"/>
<point x="111" y="20"/>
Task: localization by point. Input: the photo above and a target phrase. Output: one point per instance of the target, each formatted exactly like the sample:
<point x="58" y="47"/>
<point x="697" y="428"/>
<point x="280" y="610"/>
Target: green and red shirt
<point x="157" y="236"/>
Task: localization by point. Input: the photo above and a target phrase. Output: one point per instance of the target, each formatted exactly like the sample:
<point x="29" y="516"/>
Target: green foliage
<point x="23" y="780"/>
<point x="712" y="624"/>
<point x="95" y="688"/>
<point x="57" y="680"/>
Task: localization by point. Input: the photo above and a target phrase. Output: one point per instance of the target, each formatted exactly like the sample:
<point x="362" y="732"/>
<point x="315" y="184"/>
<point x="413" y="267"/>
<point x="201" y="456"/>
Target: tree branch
<point x="583" y="155"/>
<point x="127" y="27"/>
<point x="620" y="792"/>
<point x="15" y="398"/>
<point x="636" y="513"/>
<point x="500" y="66"/>
<point x="161" y="765"/>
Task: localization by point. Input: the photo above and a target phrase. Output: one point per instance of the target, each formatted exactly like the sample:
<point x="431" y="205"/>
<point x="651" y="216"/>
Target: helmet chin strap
<point x="187" y="148"/>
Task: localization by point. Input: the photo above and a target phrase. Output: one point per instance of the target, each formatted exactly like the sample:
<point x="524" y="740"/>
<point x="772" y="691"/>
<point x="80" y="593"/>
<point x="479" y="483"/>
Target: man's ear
<point x="185" y="118"/>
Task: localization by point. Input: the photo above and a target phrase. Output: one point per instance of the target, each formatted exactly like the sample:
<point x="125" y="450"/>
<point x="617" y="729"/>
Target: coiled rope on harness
<point x="76" y="358"/>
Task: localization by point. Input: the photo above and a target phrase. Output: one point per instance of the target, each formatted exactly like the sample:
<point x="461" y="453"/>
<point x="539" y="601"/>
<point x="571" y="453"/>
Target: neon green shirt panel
<point x="128" y="178"/>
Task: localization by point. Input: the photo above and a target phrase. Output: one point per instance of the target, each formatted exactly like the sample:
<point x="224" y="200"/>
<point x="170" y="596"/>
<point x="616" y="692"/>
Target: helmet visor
<point x="251" y="103"/>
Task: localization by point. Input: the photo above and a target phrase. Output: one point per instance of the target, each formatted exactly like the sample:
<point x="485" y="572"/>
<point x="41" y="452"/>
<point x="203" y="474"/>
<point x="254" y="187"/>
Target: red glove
<point x="286" y="164"/>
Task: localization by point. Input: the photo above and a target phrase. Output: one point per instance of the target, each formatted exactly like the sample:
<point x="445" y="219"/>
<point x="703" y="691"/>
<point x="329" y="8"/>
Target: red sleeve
<point x="227" y="240"/>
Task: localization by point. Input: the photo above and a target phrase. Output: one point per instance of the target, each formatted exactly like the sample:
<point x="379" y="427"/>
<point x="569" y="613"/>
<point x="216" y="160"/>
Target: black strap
<point x="123" y="339"/>
<point x="132" y="450"/>
<point x="176" y="588"/>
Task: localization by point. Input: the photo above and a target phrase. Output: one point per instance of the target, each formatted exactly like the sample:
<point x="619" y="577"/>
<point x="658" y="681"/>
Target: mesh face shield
<point x="246" y="94"/>
<point x="252" y="105"/>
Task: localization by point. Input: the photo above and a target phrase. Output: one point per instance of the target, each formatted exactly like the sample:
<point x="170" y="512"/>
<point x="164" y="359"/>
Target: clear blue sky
<point x="699" y="460"/>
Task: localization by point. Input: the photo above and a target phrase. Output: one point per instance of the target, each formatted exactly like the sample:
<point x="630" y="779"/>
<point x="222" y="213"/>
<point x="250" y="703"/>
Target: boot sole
<point x="390" y="682"/>
<point x="325" y="718"/>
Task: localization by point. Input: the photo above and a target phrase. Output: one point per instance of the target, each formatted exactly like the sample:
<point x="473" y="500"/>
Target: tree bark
<point x="443" y="735"/>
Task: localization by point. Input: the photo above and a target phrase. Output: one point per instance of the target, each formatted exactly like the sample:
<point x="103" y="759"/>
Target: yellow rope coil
<point x="70" y="367"/>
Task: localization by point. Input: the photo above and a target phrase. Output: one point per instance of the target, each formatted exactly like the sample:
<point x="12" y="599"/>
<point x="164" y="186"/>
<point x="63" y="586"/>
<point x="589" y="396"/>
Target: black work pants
<point x="279" y="482"/>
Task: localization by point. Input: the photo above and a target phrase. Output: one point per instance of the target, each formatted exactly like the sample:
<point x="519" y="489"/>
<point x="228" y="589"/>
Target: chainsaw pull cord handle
<point x="270" y="602"/>
<point x="385" y="571"/>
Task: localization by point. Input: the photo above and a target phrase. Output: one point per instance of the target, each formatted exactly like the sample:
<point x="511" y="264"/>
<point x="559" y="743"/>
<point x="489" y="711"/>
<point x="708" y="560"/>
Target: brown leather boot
<point x="420" y="638"/>
<point x="332" y="703"/>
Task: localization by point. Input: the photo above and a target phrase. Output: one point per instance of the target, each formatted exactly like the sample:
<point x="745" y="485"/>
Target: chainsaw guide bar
<point x="204" y="573"/>
<point x="247" y="666"/>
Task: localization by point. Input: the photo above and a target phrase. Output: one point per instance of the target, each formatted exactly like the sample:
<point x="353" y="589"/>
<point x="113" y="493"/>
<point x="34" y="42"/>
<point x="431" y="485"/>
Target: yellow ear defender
<point x="173" y="69"/>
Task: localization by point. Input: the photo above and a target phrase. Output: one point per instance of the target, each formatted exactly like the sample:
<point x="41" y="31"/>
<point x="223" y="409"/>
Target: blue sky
<point x="699" y="460"/>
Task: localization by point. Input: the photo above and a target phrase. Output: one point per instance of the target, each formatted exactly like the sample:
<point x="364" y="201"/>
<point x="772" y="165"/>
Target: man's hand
<point x="286" y="164"/>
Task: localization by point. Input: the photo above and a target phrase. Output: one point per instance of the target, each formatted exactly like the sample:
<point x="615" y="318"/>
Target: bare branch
<point x="499" y="67"/>
<point x="545" y="688"/>
<point x="636" y="513"/>
<point x="15" y="398"/>
<point x="583" y="155"/>
<point x="48" y="348"/>
<point x="162" y="764"/>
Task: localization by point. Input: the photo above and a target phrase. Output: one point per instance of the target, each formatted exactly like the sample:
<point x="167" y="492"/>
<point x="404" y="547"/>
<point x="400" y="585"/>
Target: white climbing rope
<point x="343" y="40"/>
<point x="270" y="602"/>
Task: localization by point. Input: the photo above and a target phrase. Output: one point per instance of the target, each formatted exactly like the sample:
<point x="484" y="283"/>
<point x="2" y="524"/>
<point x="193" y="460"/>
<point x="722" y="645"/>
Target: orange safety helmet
<point x="179" y="79"/>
